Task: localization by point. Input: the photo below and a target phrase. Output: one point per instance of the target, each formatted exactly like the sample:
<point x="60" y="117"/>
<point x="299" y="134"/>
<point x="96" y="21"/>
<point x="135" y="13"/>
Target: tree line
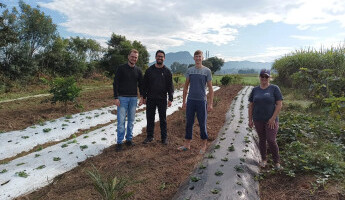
<point x="31" y="47"/>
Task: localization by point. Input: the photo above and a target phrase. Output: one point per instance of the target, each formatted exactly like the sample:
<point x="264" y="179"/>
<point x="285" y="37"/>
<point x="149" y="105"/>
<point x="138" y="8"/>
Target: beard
<point x="159" y="62"/>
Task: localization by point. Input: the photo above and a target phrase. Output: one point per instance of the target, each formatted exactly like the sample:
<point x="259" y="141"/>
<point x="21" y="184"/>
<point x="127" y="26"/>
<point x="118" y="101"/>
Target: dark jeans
<point x="200" y="108"/>
<point x="151" y="105"/>
<point x="267" y="134"/>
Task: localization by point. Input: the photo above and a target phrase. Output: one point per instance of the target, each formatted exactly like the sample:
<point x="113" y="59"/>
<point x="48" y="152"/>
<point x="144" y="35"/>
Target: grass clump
<point x="109" y="188"/>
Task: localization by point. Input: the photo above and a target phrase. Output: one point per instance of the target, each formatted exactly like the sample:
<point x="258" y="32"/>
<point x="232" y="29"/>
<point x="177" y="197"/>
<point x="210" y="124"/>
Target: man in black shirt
<point x="128" y="78"/>
<point x="157" y="84"/>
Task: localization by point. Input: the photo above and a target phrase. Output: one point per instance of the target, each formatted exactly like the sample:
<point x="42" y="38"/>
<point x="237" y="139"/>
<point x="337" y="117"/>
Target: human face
<point x="198" y="59"/>
<point x="264" y="78"/>
<point x="160" y="58"/>
<point x="133" y="58"/>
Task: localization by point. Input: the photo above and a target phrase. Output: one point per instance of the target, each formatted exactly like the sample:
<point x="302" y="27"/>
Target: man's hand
<point x="117" y="102"/>
<point x="209" y="107"/>
<point x="184" y="106"/>
<point x="169" y="103"/>
<point x="141" y="101"/>
<point x="251" y="124"/>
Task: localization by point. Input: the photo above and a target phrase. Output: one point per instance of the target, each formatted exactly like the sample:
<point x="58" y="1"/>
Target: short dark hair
<point x="160" y="51"/>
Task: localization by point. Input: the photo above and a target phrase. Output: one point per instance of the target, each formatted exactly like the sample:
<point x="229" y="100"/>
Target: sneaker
<point x="278" y="167"/>
<point x="129" y="143"/>
<point x="263" y="164"/>
<point x="164" y="141"/>
<point x="118" y="147"/>
<point x="148" y="140"/>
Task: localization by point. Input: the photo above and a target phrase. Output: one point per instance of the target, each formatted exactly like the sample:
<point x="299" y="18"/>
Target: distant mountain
<point x="183" y="57"/>
<point x="230" y="67"/>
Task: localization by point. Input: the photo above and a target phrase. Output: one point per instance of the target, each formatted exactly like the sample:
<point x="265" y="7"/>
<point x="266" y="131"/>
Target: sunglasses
<point x="264" y="76"/>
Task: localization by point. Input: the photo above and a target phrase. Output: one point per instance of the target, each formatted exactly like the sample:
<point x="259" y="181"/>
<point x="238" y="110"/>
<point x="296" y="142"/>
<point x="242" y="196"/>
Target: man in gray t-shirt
<point x="196" y="80"/>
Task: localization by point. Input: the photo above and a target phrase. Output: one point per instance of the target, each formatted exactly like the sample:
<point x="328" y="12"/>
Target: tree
<point x="117" y="53"/>
<point x="35" y="28"/>
<point x="177" y="68"/>
<point x="217" y="63"/>
<point x="8" y="34"/>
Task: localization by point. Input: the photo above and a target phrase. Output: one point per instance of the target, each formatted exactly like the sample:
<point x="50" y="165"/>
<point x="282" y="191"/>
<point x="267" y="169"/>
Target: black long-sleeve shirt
<point x="158" y="83"/>
<point x="126" y="81"/>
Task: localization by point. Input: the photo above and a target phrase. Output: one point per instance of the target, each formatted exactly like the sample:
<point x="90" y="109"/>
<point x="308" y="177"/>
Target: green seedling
<point x="20" y="164"/>
<point x="225" y="159"/>
<point x="56" y="158"/>
<point x="3" y="171"/>
<point x="39" y="148"/>
<point x="64" y="145"/>
<point x="239" y="169"/>
<point x="231" y="148"/>
<point x="83" y="147"/>
<point x="25" y="137"/>
<point x="195" y="178"/>
<point x="217" y="146"/>
<point x="46" y="130"/>
<point x="210" y="156"/>
<point x="214" y="191"/>
<point x="218" y="173"/>
<point x="202" y="166"/>
<point x="22" y="174"/>
<point x="41" y="167"/>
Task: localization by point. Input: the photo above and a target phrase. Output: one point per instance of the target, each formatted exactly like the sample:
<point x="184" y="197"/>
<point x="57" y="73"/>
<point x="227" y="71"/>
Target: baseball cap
<point x="266" y="72"/>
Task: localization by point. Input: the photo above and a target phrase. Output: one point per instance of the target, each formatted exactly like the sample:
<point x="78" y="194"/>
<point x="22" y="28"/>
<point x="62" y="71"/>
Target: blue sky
<point x="261" y="30"/>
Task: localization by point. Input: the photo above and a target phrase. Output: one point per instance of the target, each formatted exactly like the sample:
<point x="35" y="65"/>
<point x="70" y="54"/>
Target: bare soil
<point x="154" y="170"/>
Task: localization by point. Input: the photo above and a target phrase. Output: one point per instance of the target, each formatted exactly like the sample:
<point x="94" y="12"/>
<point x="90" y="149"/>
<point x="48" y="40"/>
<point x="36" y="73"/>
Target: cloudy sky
<point x="261" y="30"/>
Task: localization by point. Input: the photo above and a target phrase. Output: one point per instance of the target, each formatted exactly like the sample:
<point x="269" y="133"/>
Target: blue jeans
<point x="127" y="107"/>
<point x="200" y="108"/>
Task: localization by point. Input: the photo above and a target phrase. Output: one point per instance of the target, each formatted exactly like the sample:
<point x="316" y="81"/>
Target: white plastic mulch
<point x="35" y="170"/>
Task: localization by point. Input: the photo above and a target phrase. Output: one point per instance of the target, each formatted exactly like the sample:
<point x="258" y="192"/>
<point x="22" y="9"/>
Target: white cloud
<point x="269" y="55"/>
<point x="162" y="24"/>
<point x="303" y="37"/>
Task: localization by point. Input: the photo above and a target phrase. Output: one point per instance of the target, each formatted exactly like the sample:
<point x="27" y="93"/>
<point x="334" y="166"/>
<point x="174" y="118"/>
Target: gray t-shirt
<point x="264" y="102"/>
<point x="198" y="79"/>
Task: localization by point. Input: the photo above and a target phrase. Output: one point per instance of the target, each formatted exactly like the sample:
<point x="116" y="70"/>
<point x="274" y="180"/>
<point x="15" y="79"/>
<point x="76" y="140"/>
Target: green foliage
<point x="225" y="80"/>
<point x="117" y="54"/>
<point x="22" y="174"/>
<point x="287" y="66"/>
<point x="231" y="79"/>
<point x="311" y="144"/>
<point x="176" y="79"/>
<point x="216" y="63"/>
<point x="177" y="68"/>
<point x="109" y="188"/>
<point x="337" y="107"/>
<point x="64" y="90"/>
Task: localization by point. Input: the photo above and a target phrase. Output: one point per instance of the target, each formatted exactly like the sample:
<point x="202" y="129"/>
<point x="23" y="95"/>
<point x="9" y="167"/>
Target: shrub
<point x="64" y="90"/>
<point x="225" y="80"/>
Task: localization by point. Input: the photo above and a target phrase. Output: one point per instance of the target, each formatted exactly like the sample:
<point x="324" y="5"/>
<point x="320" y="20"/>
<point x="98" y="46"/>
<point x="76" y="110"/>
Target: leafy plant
<point x="109" y="188"/>
<point x="46" y="130"/>
<point x="41" y="167"/>
<point x="231" y="148"/>
<point x="56" y="158"/>
<point x="64" y="90"/>
<point x="195" y="178"/>
<point x="218" y="173"/>
<point x="22" y="174"/>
